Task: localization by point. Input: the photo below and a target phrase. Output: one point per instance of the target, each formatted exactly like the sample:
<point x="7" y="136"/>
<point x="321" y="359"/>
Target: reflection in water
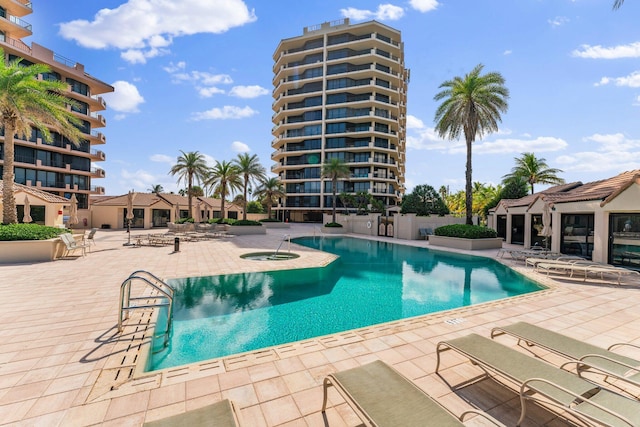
<point x="371" y="282"/>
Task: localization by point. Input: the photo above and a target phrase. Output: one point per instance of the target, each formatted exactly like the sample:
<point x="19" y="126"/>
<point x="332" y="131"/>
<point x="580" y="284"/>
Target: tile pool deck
<point x="63" y="363"/>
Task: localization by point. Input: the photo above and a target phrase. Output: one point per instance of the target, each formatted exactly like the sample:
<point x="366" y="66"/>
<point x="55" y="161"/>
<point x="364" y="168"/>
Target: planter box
<point x="276" y="225"/>
<point x="242" y="230"/>
<point x="333" y="230"/>
<point x="30" y="250"/>
<point x="466" y="244"/>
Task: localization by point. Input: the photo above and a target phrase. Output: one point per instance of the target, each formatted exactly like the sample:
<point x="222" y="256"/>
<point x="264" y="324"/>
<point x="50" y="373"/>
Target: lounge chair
<point x="219" y="414"/>
<point x="71" y="245"/>
<point x="89" y="238"/>
<point x="597" y="358"/>
<point x="585" y="268"/>
<point x="383" y="397"/>
<point x="539" y="381"/>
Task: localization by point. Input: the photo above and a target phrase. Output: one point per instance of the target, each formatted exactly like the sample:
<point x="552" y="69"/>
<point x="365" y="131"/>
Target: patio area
<point x="63" y="363"/>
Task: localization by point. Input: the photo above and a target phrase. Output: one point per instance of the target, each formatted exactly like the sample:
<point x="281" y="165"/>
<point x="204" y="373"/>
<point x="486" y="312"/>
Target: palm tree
<point x="190" y="166"/>
<point x="335" y="169"/>
<point x="534" y="171"/>
<point x="268" y="190"/>
<point x="156" y="189"/>
<point x="223" y="179"/>
<point x="617" y="4"/>
<point x="250" y="169"/>
<point x="472" y="106"/>
<point x="27" y="103"/>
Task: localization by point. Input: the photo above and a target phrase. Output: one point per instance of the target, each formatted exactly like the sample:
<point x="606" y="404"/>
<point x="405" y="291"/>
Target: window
<point x="577" y="235"/>
<point x="78" y="87"/>
<point x="624" y="231"/>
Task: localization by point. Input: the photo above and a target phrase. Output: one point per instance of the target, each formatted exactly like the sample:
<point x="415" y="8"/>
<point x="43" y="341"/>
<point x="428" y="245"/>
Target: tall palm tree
<point x="472" y="106"/>
<point x="269" y="189"/>
<point x="534" y="171"/>
<point x="223" y="179"/>
<point x="335" y="169"/>
<point x="190" y="166"/>
<point x="250" y="170"/>
<point x="27" y="103"/>
<point x="155" y="189"/>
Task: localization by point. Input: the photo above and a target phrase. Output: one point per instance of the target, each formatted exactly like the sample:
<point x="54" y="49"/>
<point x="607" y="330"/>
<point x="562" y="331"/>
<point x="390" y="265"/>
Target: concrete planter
<point x="333" y="230"/>
<point x="276" y="225"/>
<point x="466" y="244"/>
<point x="242" y="230"/>
<point x="30" y="250"/>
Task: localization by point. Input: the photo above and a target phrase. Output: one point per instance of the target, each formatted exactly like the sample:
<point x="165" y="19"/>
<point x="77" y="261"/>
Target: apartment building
<point x="57" y="166"/>
<point x="340" y="91"/>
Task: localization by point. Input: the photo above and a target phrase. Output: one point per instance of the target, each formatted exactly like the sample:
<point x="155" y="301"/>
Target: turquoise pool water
<point x="372" y="282"/>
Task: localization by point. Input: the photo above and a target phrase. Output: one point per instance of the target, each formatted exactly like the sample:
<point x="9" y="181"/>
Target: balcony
<point x="97" y="103"/>
<point x="98" y="137"/>
<point x="13" y="25"/>
<point x="97" y="173"/>
<point x="97" y="120"/>
<point x="97" y="190"/>
<point x="98" y="155"/>
<point x="19" y="7"/>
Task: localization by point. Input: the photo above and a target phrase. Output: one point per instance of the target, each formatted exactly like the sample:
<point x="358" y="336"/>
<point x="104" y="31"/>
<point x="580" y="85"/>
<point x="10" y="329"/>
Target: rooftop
<point x="63" y="363"/>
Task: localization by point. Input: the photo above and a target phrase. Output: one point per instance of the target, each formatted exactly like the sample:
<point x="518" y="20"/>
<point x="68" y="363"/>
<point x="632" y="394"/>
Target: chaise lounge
<point x="219" y="414"/>
<point x="597" y="358"/>
<point x="539" y="381"/>
<point x="381" y="396"/>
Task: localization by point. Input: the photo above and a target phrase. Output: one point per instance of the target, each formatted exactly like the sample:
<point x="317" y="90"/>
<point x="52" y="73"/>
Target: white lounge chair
<point x="71" y="245"/>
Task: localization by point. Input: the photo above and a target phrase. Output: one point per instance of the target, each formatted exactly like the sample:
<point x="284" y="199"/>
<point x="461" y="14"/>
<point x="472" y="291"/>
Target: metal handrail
<point x="165" y="291"/>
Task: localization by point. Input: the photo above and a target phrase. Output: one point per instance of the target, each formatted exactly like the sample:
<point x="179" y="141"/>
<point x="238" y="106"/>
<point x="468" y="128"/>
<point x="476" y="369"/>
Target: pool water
<point x="372" y="282"/>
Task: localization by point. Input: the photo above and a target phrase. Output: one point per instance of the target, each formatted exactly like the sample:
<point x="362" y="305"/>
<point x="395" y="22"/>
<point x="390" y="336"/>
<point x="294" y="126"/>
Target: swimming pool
<point x="372" y="282"/>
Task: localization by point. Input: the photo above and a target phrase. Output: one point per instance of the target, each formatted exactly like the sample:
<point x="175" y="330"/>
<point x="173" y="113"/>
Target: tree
<point x="424" y="200"/>
<point x="250" y="170"/>
<point x="268" y="190"/>
<point x="223" y="179"/>
<point x="335" y="169"/>
<point x="197" y="191"/>
<point x="617" y="4"/>
<point x="533" y="170"/>
<point x="27" y="103"/>
<point x="471" y="107"/>
<point x="156" y="189"/>
<point x="255" y="207"/>
<point x="190" y="166"/>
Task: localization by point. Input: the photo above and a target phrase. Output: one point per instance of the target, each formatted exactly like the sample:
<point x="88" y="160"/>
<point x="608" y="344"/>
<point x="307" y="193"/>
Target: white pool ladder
<point x="162" y="298"/>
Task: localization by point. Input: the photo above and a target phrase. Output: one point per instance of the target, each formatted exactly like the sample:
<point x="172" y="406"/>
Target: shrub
<point x="269" y="220"/>
<point x="185" y="220"/>
<point x="466" y="231"/>
<point x="229" y="221"/>
<point x="11" y="232"/>
<point x="246" y="222"/>
<point x="333" y="225"/>
<point x="214" y="220"/>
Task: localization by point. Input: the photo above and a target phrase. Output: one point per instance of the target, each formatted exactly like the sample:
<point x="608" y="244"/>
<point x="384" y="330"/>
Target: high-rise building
<point x="56" y="166"/>
<point x="340" y="91"/>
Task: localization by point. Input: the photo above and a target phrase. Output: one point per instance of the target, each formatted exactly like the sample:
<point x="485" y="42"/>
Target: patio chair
<point x="539" y="381"/>
<point x="604" y="361"/>
<point x="89" y="238"/>
<point x="381" y="396"/>
<point x="425" y="232"/>
<point x="220" y="414"/>
<point x="71" y="245"/>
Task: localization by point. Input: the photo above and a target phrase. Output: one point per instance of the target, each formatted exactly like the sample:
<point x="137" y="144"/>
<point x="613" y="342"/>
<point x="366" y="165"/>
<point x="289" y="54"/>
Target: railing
<point x="65" y="61"/>
<point x="18" y="44"/>
<point x="19" y="22"/>
<point x="163" y="298"/>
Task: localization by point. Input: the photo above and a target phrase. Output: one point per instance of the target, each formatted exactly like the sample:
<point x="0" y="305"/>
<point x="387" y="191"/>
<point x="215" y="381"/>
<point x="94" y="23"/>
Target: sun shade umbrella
<point x="73" y="210"/>
<point x="129" y="216"/>
<point x="197" y="215"/>
<point x="177" y="212"/>
<point x="546" y="222"/>
<point x="27" y="211"/>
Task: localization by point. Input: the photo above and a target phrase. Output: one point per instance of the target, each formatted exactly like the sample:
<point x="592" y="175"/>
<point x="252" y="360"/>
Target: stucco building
<point x="340" y="91"/>
<point x="58" y="167"/>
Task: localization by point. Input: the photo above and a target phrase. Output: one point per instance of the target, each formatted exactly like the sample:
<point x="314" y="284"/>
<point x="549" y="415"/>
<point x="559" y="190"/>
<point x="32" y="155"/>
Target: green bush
<point x="466" y="231"/>
<point x="333" y="225"/>
<point x="269" y="220"/>
<point x="229" y="221"/>
<point x="185" y="220"/>
<point x="214" y="220"/>
<point x="29" y="232"/>
<point x="246" y="222"/>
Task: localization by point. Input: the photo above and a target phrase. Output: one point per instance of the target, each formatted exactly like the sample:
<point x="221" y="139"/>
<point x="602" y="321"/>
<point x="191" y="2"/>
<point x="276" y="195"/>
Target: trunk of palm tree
<point x="189" y="195"/>
<point x="9" y="213"/>
<point x="468" y="201"/>
<point x="223" y="196"/>
<point x="334" y="185"/>
<point x="244" y="195"/>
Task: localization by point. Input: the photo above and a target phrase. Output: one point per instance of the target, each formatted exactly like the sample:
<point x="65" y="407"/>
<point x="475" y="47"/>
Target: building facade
<point x="57" y="166"/>
<point x="340" y="91"/>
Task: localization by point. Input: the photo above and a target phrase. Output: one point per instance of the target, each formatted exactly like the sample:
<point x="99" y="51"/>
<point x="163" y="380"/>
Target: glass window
<point x="624" y="230"/>
<point x="577" y="235"/>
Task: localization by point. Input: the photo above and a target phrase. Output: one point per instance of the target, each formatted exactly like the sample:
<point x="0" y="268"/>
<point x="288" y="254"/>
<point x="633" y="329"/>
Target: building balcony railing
<point x="16" y="43"/>
<point x="99" y="118"/>
<point x="98" y="173"/>
<point x="98" y="155"/>
<point x="16" y="21"/>
<point x="97" y="189"/>
<point x="98" y="137"/>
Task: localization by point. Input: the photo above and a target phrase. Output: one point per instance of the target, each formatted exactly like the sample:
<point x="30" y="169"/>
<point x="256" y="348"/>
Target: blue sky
<point x="195" y="75"/>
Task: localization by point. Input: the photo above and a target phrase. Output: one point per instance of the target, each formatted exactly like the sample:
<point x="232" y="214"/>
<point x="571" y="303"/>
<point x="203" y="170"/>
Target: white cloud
<point x="631" y="50"/>
<point x="513" y="145"/>
<point x="248" y="91"/>
<point x="507" y="52"/>
<point x="414" y="123"/>
<point x="614" y="152"/>
<point x="145" y="28"/>
<point x="616" y="142"/>
<point x="558" y="21"/>
<point x="141" y="180"/>
<point x="385" y="12"/>
<point x="240" y="147"/>
<point x="162" y="158"/>
<point x="125" y="98"/>
<point x="209" y="160"/>
<point x="632" y="80"/>
<point x="208" y="92"/>
<point x="424" y="5"/>
<point x="226" y="112"/>
<point x="172" y="68"/>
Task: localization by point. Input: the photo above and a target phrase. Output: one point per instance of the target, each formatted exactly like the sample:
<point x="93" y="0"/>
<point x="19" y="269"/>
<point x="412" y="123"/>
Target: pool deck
<point x="63" y="363"/>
